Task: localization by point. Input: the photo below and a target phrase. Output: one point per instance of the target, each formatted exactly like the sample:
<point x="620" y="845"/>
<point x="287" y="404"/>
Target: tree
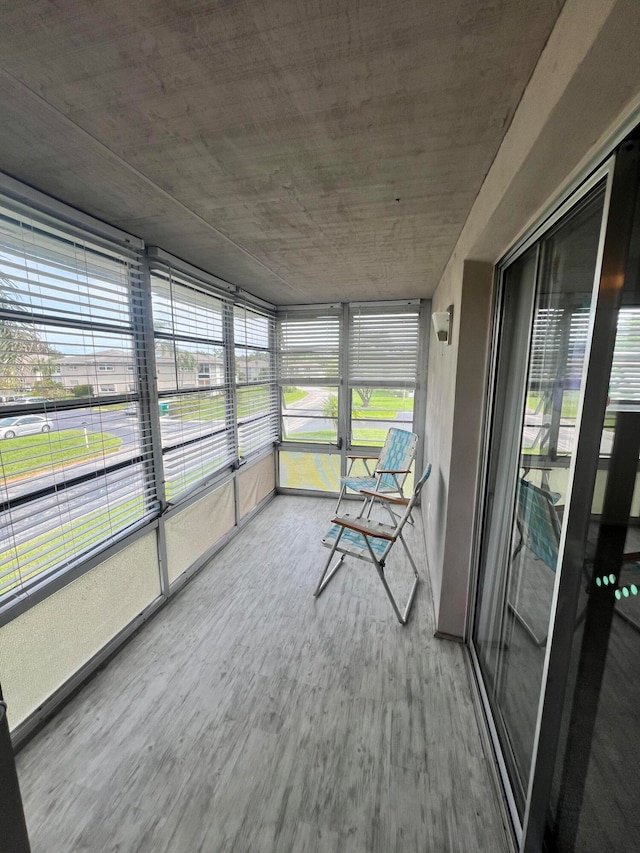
<point x="23" y="353"/>
<point x="186" y="360"/>
<point x="50" y="389"/>
<point x="83" y="391"/>
<point x="365" y="395"/>
<point x="330" y="409"/>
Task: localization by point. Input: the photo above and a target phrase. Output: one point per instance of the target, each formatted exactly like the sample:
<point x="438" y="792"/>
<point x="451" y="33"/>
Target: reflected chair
<point x="539" y="530"/>
<point x="391" y="469"/>
<point x="372" y="542"/>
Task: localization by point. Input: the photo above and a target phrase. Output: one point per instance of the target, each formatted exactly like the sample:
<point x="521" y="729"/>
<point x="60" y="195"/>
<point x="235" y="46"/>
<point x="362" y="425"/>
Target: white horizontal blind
<point x="75" y="471"/>
<point x="625" y="371"/>
<point x="194" y="391"/>
<point x="558" y="345"/>
<point x="309" y="346"/>
<point x="384" y="346"/>
<point x="255" y="376"/>
<point x="558" y="350"/>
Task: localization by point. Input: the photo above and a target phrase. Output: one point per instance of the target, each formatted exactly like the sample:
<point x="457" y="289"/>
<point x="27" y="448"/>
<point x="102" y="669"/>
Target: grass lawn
<point x="325" y="436"/>
<point x="29" y="558"/>
<point x="294" y="395"/>
<point x="197" y="408"/>
<point x="251" y="401"/>
<point x="383" y="405"/>
<point x="569" y="403"/>
<point x="29" y="454"/>
<point x="361" y="436"/>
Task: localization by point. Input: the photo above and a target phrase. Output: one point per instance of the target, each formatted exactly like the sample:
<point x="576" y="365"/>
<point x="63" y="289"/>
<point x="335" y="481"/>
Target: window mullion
<point x="230" y="374"/>
<point x="144" y="344"/>
<point x="146" y="366"/>
<point x="344" y="395"/>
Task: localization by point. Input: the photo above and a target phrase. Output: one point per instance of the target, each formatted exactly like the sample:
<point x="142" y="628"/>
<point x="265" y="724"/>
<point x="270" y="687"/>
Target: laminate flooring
<point x="249" y="716"/>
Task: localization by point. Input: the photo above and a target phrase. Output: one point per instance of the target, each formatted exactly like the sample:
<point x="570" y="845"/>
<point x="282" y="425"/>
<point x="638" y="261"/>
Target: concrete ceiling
<point x="306" y="151"/>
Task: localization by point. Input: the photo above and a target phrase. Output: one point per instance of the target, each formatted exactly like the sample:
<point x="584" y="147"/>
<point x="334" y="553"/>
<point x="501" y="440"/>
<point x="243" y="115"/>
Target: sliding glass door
<point x="556" y="625"/>
<point x="547" y="300"/>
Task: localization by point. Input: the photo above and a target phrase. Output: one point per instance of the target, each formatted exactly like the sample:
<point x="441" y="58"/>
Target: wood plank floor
<point x="248" y="716"/>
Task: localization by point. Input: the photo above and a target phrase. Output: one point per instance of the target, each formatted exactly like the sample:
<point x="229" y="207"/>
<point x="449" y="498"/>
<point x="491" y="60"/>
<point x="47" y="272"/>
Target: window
<point x="256" y="390"/>
<point x="559" y="340"/>
<point x="382" y="345"/>
<point x="309" y="373"/>
<point x="375" y="348"/>
<point x="383" y="364"/>
<point x="189" y="325"/>
<point x="74" y="477"/>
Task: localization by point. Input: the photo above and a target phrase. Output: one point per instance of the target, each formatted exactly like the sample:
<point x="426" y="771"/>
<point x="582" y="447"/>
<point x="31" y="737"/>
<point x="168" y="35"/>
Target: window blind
<point x="383" y="346"/>
<point x="309" y="346"/>
<point x="625" y="371"/>
<point x="191" y="335"/>
<point x="560" y="337"/>
<point x="75" y="470"/>
<point x="255" y="376"/>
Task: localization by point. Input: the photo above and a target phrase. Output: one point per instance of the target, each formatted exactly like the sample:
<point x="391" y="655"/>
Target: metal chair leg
<point x="404" y="615"/>
<point x="340" y="496"/>
<point x="327" y="574"/>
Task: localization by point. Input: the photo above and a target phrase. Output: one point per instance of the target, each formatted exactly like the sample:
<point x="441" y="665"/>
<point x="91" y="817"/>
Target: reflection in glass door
<point x="547" y="304"/>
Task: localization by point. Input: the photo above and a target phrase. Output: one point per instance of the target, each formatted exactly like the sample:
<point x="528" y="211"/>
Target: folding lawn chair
<point x="372" y="541"/>
<point x="392" y="467"/>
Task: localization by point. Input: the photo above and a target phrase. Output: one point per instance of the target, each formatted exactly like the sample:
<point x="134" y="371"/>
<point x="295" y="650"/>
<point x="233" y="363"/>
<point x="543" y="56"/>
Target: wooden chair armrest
<point x="392" y="471"/>
<point x="384" y="497"/>
<point x="360" y="456"/>
<point x="362" y="528"/>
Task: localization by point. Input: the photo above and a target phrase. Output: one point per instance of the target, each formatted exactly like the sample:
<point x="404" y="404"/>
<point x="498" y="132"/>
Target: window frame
<point x="421" y="309"/>
<point x="54" y="233"/>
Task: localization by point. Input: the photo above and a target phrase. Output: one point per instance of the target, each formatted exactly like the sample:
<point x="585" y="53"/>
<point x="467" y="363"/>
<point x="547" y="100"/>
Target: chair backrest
<point x="540" y="523"/>
<point x="397" y="454"/>
<point x="414" y="497"/>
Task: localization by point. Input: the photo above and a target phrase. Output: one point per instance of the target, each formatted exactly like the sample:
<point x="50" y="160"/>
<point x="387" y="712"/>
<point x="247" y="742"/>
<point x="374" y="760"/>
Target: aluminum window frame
<point x="105" y="246"/>
<point x="343" y="311"/>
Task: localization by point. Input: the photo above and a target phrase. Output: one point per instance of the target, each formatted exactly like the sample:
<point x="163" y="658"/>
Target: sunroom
<point x="239" y="245"/>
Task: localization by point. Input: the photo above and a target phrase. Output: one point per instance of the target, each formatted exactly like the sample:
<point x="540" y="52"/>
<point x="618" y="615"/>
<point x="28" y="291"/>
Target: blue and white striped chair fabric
<point x="355" y="543"/>
<point x="372" y="541"/>
<point x="395" y="460"/>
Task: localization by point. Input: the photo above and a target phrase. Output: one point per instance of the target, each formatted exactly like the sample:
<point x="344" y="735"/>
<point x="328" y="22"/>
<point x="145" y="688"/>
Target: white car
<point x="24" y="425"/>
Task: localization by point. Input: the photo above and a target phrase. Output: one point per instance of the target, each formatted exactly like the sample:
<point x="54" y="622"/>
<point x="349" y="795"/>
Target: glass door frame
<point x="622" y="192"/>
<point x="540" y="777"/>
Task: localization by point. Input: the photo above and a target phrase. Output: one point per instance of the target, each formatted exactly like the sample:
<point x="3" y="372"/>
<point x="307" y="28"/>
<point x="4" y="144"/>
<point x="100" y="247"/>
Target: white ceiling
<point x="305" y="151"/>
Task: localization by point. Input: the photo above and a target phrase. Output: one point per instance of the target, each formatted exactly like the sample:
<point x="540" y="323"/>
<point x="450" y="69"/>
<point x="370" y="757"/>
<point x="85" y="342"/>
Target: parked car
<point x="24" y="425"/>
